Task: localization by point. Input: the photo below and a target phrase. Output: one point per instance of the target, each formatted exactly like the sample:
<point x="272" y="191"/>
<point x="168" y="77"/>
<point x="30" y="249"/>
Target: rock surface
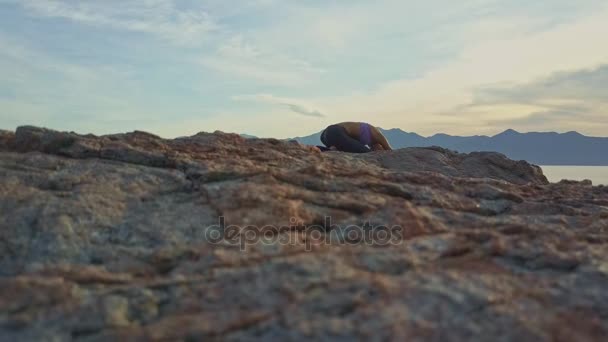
<point x="115" y="238"/>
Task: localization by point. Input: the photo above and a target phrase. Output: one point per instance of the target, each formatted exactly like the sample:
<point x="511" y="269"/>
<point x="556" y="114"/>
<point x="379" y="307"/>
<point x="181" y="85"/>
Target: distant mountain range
<point x="542" y="148"/>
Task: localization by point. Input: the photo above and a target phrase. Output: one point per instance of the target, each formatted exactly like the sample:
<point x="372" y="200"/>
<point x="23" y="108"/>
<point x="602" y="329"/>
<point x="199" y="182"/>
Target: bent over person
<point x="354" y="137"/>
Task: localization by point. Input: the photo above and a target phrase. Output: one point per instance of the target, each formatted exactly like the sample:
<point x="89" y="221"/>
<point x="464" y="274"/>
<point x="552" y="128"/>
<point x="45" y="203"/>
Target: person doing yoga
<point x="354" y="137"/>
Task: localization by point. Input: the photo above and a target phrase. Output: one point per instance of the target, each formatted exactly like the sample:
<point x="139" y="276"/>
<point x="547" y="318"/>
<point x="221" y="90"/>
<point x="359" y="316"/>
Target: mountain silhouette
<point x="543" y="148"/>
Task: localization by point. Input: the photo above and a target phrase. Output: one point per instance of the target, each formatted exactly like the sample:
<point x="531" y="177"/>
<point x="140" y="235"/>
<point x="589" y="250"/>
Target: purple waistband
<point x="365" y="134"/>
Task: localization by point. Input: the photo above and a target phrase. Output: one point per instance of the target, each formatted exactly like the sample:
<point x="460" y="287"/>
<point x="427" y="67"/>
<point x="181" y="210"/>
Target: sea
<point x="597" y="174"/>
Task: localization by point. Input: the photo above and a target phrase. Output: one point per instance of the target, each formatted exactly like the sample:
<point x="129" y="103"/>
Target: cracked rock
<point x="135" y="237"/>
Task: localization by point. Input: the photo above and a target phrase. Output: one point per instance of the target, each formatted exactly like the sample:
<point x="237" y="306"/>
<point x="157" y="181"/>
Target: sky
<point x="286" y="68"/>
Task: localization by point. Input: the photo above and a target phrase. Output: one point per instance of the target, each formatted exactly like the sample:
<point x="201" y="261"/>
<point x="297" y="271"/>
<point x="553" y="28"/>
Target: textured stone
<point x="112" y="238"/>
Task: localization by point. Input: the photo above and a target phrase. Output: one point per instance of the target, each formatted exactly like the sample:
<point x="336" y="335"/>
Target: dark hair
<point x="323" y="138"/>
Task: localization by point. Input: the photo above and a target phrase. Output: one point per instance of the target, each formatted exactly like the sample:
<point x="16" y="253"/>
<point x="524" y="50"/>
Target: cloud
<point x="581" y="86"/>
<point x="306" y="112"/>
<point x="536" y="119"/>
<point x="564" y="93"/>
<point x="158" y="17"/>
<point x="294" y="105"/>
<point x="243" y="59"/>
<point x="564" y="99"/>
<point x="231" y="53"/>
<point x="473" y="67"/>
<point x="437" y="99"/>
<point x="48" y="91"/>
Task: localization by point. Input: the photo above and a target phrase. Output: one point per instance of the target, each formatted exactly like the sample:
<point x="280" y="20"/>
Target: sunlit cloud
<point x="442" y="95"/>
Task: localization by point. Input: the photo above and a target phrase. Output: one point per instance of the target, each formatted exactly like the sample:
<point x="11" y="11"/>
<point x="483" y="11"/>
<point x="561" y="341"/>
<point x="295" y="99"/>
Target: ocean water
<point x="597" y="174"/>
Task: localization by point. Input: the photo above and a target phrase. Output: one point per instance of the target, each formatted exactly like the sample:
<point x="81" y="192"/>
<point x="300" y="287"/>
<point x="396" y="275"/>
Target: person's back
<point x="355" y="137"/>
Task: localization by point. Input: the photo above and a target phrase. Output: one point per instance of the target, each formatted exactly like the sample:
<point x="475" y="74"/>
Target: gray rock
<point x="134" y="237"/>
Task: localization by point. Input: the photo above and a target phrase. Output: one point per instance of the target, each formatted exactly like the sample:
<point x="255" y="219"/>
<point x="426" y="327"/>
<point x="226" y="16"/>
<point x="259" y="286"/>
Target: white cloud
<point x="158" y="17"/>
<point x="241" y="58"/>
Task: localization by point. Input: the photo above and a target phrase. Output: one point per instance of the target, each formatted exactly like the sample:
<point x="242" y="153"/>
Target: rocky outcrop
<point x="473" y="165"/>
<point x="6" y="140"/>
<point x="134" y="237"/>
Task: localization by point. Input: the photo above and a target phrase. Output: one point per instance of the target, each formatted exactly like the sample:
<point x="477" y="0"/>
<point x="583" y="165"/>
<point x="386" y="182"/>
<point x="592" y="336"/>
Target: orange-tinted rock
<point x="135" y="237"/>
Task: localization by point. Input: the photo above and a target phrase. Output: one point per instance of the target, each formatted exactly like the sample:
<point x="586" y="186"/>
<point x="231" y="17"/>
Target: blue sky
<point x="285" y="68"/>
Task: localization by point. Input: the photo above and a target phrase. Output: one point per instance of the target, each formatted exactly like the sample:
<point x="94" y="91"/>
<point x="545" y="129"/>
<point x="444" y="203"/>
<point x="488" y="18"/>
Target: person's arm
<point x="379" y="138"/>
